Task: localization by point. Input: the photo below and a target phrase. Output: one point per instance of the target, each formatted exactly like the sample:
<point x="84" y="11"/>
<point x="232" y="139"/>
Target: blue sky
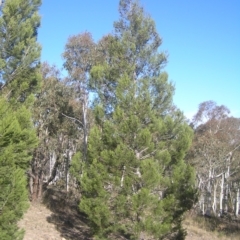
<point x="202" y="38"/>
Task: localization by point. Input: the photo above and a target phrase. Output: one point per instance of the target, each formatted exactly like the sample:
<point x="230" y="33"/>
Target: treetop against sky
<point x="202" y="39"/>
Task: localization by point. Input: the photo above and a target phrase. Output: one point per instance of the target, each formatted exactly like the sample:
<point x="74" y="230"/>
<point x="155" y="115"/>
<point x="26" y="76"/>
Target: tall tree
<point x="214" y="154"/>
<point x="19" y="77"/>
<point x="133" y="49"/>
<point x="58" y="136"/>
<point x="136" y="182"/>
<point x="20" y="52"/>
<point x="17" y="140"/>
<point x="79" y="58"/>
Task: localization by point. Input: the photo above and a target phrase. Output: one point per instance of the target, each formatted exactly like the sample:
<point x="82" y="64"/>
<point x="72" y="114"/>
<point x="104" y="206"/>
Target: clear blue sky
<point x="202" y="38"/>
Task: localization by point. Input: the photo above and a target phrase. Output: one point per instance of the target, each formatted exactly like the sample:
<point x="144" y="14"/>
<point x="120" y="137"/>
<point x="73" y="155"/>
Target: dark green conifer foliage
<point x="136" y="182"/>
<point x="19" y="50"/>
<point x="17" y="140"/>
<point x="19" y="80"/>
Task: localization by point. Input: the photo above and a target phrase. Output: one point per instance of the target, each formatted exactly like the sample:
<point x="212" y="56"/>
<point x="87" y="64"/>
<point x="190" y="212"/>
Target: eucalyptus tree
<point x="214" y="154"/>
<point x="135" y="182"/>
<point x="79" y="56"/>
<point x="57" y="135"/>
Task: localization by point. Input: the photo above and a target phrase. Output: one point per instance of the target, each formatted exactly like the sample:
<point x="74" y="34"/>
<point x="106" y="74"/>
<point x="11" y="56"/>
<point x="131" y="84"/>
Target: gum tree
<point x="214" y="154"/>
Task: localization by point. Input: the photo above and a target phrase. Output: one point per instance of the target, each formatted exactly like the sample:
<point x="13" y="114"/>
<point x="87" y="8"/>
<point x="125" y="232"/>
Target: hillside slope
<point x="40" y="223"/>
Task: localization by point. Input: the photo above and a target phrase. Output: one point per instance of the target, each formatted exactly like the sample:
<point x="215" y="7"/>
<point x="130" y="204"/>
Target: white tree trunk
<point x="85" y="125"/>
<point x="201" y="204"/>
<point x="221" y="195"/>
<point x="226" y="199"/>
<point x="51" y="164"/>
<point x="123" y="174"/>
<point x="214" y="204"/>
<point x="237" y="203"/>
<point x="203" y="207"/>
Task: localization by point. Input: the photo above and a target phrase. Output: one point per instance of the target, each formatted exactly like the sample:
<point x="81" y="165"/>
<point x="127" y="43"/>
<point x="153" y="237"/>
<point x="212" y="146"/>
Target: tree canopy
<point x="20" y="52"/>
<point x="135" y="182"/>
<point x="19" y="80"/>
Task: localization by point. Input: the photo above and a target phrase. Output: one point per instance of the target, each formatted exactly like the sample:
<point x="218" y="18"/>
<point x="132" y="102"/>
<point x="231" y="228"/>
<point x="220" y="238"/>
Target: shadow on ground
<point x="65" y="215"/>
<point x="228" y="225"/>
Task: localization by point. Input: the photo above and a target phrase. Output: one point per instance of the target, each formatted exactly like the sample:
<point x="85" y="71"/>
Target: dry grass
<point x="36" y="225"/>
<point x="57" y="219"/>
<point x="60" y="220"/>
<point x="199" y="227"/>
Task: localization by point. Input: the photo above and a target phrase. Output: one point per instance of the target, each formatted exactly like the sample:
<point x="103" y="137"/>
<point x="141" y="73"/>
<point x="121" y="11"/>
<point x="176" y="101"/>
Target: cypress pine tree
<point x="136" y="182"/>
<point x="19" y="78"/>
<point x="17" y="139"/>
<point x="20" y="53"/>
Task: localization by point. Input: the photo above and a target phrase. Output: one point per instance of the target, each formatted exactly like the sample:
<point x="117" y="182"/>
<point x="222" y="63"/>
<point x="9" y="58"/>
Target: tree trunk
<point x="214" y="205"/>
<point x="40" y="186"/>
<point x="221" y="195"/>
<point x="52" y="163"/>
<point x="226" y="199"/>
<point x="54" y="170"/>
<point x="31" y="177"/>
<point x="67" y="168"/>
<point x="35" y="188"/>
<point x="209" y="204"/>
<point x="203" y="206"/>
<point x="85" y="127"/>
<point x="123" y="174"/>
<point x="237" y="203"/>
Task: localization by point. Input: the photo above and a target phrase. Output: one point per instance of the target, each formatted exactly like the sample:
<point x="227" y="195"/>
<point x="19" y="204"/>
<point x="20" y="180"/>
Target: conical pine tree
<point x="17" y="140"/>
<point x="136" y="182"/>
<point x="19" y="80"/>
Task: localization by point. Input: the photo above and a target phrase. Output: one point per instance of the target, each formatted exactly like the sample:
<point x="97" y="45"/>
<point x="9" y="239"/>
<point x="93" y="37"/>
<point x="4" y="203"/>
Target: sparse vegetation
<point x="200" y="227"/>
<point x="61" y="220"/>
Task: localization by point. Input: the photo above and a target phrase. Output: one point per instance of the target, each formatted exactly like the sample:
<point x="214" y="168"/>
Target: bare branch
<point x="72" y="118"/>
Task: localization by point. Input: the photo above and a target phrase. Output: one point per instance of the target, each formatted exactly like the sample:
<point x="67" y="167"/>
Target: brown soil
<point x="57" y="219"/>
<point x="60" y="220"/>
<point x="36" y="225"/>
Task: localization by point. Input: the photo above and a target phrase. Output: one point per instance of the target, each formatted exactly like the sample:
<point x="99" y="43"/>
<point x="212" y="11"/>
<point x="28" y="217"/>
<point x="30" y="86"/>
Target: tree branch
<point x="72" y="118"/>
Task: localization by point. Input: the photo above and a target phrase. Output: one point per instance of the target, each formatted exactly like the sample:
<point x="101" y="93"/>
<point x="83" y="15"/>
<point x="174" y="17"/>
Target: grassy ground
<point x="59" y="219"/>
<point x="56" y="219"/>
<point x="37" y="226"/>
<point x="211" y="228"/>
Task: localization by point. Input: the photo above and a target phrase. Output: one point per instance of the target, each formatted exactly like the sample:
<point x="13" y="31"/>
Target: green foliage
<point x="58" y="135"/>
<point x="136" y="182"/>
<point x="13" y="201"/>
<point x="19" y="79"/>
<point x="20" y="53"/>
<point x="76" y="166"/>
<point x="53" y="99"/>
<point x="17" y="140"/>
